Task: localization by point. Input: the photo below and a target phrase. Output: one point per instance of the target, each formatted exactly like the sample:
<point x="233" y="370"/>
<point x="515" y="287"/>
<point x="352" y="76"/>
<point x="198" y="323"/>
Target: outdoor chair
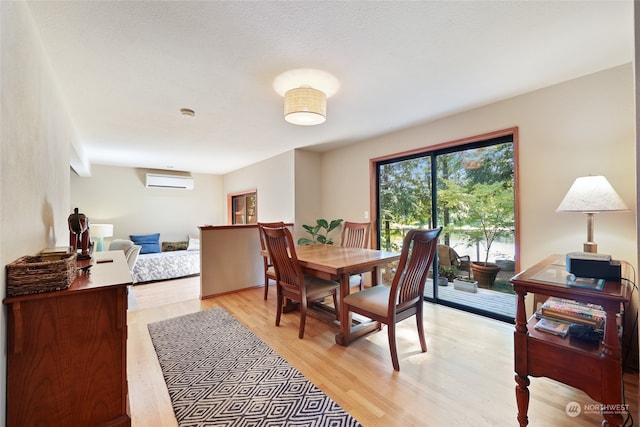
<point x="448" y="257"/>
<point x="404" y="298"/>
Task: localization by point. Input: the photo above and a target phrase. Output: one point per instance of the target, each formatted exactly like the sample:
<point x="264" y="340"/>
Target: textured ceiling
<point x="126" y="68"/>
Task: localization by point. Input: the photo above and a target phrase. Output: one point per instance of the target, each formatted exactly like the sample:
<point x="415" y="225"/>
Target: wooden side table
<point x="596" y="368"/>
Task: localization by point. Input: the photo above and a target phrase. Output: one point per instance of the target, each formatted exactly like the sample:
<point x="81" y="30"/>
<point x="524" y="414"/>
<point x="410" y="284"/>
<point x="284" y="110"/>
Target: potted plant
<point x="320" y="232"/>
<point x="447" y="272"/>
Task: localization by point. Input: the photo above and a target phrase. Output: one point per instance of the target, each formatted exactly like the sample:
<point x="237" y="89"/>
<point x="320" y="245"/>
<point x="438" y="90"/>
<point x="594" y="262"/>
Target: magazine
<point x="553" y="327"/>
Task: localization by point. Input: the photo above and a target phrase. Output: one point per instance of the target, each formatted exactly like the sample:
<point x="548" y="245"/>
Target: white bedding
<point x="166" y="265"/>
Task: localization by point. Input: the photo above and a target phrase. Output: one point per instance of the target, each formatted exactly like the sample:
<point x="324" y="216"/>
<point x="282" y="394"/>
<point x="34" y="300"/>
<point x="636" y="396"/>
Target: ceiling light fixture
<point x="305" y="93"/>
<point x="187" y="112"/>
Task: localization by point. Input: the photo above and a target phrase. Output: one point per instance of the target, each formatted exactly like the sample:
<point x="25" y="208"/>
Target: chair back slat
<point x="282" y="252"/>
<point x="355" y="234"/>
<point x="266" y="261"/>
<point x="261" y="226"/>
<point x="418" y="252"/>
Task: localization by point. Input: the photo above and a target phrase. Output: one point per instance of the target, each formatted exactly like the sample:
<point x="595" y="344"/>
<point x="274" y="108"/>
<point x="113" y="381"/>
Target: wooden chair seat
<point x="271" y="273"/>
<point x="405" y="297"/>
<point x="373" y="300"/>
<point x="315" y="286"/>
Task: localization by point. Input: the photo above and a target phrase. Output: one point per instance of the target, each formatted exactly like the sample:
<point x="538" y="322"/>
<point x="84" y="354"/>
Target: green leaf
<point x="322" y="223"/>
<point x="334" y="224"/>
<point x="304" y="241"/>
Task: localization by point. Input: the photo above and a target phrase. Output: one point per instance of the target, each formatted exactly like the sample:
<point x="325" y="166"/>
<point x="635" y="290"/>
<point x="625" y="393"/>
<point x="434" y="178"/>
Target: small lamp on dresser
<point x="99" y="232"/>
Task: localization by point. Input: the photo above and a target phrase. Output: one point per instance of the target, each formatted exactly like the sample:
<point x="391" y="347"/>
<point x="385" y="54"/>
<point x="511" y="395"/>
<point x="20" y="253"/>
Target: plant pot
<point x="465" y="285"/>
<point x="443" y="281"/>
<point x="485" y="273"/>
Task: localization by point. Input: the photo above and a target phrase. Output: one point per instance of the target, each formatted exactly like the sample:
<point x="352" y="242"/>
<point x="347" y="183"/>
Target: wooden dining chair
<point x="355" y="235"/>
<point x="404" y="298"/>
<point x="291" y="283"/>
<point x="269" y="272"/>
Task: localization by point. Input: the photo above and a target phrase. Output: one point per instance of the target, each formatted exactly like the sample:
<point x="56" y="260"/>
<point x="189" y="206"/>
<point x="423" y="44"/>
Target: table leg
<point x="342" y="337"/>
<point x="375" y="276"/>
<point x="521" y="360"/>
<point x="522" y="397"/>
<point x="349" y="332"/>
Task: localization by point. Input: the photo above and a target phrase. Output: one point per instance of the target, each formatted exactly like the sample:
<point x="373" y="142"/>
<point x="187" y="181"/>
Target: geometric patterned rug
<point x="219" y="373"/>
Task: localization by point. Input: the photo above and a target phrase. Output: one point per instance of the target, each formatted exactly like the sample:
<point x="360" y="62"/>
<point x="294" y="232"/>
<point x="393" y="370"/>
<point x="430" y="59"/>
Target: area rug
<point x="219" y="373"/>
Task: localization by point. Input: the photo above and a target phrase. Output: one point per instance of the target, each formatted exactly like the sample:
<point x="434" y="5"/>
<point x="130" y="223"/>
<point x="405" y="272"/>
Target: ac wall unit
<point x="155" y="180"/>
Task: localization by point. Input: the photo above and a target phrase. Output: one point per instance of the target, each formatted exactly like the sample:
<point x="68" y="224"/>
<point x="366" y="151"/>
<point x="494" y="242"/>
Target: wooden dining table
<point x="338" y="263"/>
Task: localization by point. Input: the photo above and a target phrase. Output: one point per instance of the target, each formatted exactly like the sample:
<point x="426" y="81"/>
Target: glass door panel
<point x="471" y="195"/>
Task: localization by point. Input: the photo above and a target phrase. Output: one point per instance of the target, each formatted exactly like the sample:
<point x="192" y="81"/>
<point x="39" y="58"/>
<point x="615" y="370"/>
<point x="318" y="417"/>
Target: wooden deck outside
<point x="485" y="299"/>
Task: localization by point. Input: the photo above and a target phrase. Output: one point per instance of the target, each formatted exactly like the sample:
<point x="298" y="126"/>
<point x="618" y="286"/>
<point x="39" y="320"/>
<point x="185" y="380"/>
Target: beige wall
<point x="308" y="191"/>
<point x="35" y="136"/>
<point x="225" y="252"/>
<point x="118" y="196"/>
<point x="582" y="127"/>
<point x="273" y="179"/>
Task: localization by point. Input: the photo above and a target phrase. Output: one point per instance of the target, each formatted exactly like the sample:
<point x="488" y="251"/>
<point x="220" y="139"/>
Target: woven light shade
<point x="305" y="106"/>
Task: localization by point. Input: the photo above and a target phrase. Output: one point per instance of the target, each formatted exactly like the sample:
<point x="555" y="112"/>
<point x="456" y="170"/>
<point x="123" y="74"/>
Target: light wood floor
<point x="465" y="378"/>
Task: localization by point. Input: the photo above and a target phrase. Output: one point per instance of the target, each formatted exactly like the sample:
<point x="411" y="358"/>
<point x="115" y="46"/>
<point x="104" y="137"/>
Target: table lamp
<point x="99" y="232"/>
<point x="590" y="195"/>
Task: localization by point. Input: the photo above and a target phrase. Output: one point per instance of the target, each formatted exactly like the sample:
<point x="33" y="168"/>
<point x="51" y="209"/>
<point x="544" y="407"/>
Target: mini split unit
<point x="155" y="180"/>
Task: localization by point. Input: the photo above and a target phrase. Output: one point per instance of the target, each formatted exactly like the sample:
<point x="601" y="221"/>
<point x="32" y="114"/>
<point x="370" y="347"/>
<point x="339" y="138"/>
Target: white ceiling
<point x="126" y="68"/>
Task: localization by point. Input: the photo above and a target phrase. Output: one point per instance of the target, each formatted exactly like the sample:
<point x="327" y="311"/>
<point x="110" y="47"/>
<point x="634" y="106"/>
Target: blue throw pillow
<point x="150" y="243"/>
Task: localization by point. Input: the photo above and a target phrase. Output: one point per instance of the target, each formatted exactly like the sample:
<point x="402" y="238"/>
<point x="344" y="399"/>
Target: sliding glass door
<point x="469" y="190"/>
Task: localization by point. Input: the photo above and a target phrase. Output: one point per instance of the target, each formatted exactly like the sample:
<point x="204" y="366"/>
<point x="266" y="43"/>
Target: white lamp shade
<point x="101" y="230"/>
<point x="591" y="194"/>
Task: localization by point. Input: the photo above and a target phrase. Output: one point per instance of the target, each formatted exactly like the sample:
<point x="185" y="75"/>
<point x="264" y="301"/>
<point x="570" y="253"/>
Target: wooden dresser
<point x="66" y="351"/>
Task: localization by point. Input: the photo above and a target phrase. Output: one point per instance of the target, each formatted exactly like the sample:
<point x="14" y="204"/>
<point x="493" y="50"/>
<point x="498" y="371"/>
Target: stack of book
<point x="55" y="254"/>
<point x="574" y="312"/>
<point x="557" y="314"/>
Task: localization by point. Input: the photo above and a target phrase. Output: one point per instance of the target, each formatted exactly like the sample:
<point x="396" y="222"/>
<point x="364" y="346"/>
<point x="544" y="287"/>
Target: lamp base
<point x="590" y="247"/>
<point x="100" y="244"/>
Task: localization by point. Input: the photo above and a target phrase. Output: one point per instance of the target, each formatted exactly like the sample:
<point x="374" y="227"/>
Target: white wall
<point x="581" y="127"/>
<point x="118" y="196"/>
<point x="35" y="137"/>
<point x="273" y="179"/>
